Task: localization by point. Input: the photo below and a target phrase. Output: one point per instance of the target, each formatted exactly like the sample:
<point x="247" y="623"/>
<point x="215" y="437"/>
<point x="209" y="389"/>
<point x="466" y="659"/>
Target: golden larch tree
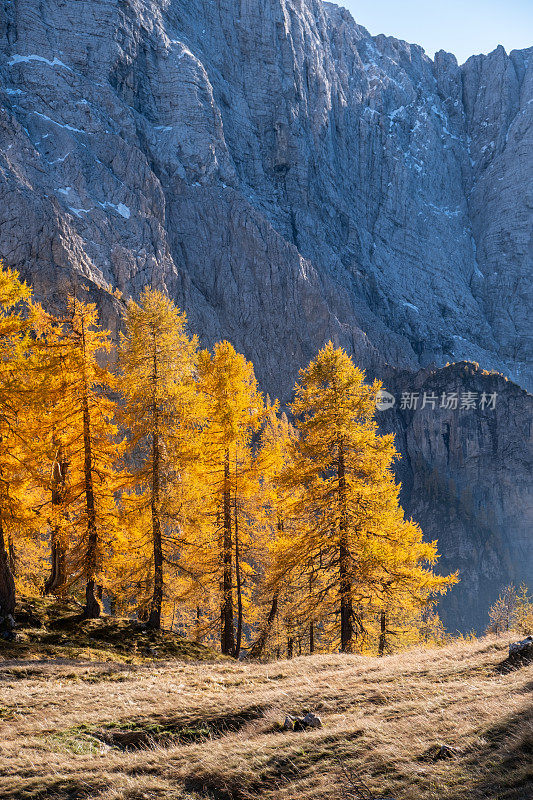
<point x="162" y="416"/>
<point x="235" y="412"/>
<point x="81" y="440"/>
<point x="350" y="529"/>
<point x="18" y="495"/>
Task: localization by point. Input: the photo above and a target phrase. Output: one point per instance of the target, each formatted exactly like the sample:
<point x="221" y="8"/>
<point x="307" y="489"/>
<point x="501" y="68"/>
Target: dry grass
<point x="211" y="730"/>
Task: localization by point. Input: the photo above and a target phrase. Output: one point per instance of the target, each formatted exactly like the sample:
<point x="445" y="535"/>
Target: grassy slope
<point x="52" y="628"/>
<point x="211" y="729"/>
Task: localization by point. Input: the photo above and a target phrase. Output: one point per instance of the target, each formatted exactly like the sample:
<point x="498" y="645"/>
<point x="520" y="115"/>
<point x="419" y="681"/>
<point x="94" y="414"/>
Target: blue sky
<point x="463" y="27"/>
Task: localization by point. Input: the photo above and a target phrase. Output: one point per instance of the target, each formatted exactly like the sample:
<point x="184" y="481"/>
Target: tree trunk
<point x="344" y="561"/>
<point x="198" y="634"/>
<point x="57" y="578"/>
<point x="256" y="650"/>
<point x="237" y="570"/>
<point x="311" y="622"/>
<point x="154" y="619"/>
<point x="227" y="633"/>
<point x="12" y="555"/>
<point x="7" y="582"/>
<point x="383" y="633"/>
<point x="239" y="588"/>
<point x="290" y="644"/>
<point x="92" y="608"/>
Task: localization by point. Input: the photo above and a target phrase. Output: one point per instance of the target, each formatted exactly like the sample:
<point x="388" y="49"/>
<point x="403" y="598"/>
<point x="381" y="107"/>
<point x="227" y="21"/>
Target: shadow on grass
<point x="280" y="771"/>
<point x="55" y="789"/>
<point x="161" y="730"/>
<point x="504" y="764"/>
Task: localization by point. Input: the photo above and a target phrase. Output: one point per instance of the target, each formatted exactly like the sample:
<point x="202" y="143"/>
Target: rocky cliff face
<point x="466" y="439"/>
<point x="284" y="175"/>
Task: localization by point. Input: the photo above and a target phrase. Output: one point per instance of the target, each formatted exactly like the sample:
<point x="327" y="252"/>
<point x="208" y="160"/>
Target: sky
<point x="462" y="27"/>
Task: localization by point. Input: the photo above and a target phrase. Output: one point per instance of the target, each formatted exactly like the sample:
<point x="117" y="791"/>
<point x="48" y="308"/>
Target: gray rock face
<point x="285" y="176"/>
<point x="466" y="475"/>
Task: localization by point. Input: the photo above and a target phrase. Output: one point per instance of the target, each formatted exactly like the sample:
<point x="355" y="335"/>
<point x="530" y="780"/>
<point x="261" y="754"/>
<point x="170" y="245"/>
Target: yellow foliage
<point x="190" y="500"/>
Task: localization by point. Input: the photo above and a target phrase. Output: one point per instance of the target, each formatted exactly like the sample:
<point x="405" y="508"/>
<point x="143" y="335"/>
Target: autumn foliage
<point x="155" y="479"/>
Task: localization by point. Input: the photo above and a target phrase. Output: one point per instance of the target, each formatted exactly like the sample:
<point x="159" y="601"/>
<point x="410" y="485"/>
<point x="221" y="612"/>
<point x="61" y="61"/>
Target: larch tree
<point x="51" y="409"/>
<point x="15" y="499"/>
<point x="349" y="525"/>
<point x="274" y="457"/>
<point x="162" y="416"/>
<point x="235" y="412"/>
<point x="80" y="437"/>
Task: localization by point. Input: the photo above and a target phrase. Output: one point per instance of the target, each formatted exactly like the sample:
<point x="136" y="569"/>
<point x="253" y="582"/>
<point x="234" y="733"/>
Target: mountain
<point x="288" y="179"/>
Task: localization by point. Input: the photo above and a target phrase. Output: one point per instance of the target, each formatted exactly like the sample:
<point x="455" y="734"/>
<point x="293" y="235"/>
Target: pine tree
<point x="162" y="415"/>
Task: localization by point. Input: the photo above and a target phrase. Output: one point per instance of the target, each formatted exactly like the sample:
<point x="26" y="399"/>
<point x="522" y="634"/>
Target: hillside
<point x="74" y="729"/>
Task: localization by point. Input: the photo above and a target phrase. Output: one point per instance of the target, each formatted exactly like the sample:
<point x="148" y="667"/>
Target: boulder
<point x="312" y="721"/>
<point x="523" y="647"/>
<point x="443" y="752"/>
<point x="309" y="720"/>
<point x="520" y="654"/>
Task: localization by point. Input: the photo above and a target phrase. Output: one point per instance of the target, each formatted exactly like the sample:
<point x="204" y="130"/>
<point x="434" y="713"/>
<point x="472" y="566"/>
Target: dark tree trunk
<point x="198" y="634"/>
<point x="256" y="650"/>
<point x="11" y="554"/>
<point x="92" y="608"/>
<point x="290" y="647"/>
<point x="7" y="582"/>
<point x="57" y="576"/>
<point x="311" y="622"/>
<point x="383" y="633"/>
<point x="58" y="572"/>
<point x="154" y="619"/>
<point x="344" y="561"/>
<point x="227" y="633"/>
<point x="238" y="573"/>
<point x="239" y="588"/>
